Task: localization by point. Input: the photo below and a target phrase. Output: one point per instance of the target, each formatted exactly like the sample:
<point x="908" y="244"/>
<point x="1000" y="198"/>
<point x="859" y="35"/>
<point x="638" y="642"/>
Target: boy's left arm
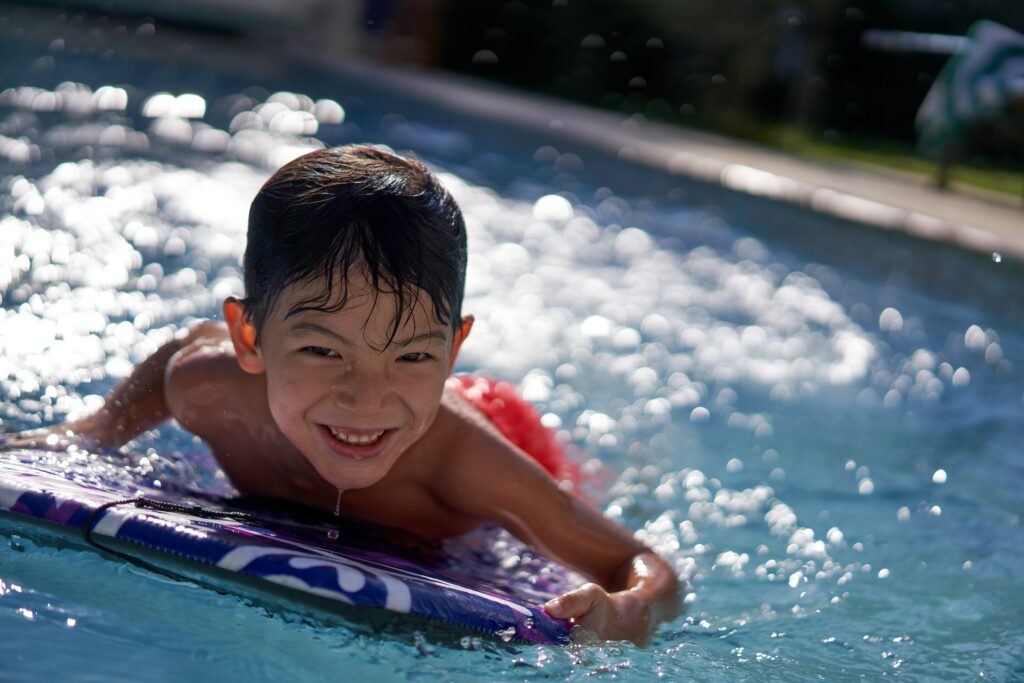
<point x="633" y="589"/>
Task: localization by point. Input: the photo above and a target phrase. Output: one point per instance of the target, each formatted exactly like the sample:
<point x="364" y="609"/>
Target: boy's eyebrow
<point x="309" y="326"/>
<point x="425" y="336"/>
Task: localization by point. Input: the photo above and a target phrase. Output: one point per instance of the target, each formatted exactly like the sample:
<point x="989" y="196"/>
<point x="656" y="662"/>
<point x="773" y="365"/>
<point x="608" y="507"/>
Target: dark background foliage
<point x="720" y="64"/>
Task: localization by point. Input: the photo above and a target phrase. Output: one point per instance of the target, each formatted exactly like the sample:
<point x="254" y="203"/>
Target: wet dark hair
<point x="332" y="210"/>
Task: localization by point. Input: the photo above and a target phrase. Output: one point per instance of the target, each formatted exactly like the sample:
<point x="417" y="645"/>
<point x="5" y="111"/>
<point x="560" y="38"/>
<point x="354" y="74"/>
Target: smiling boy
<point x="329" y="377"/>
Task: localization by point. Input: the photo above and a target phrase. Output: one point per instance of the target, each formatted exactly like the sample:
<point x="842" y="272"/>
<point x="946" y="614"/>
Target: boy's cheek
<point x="285" y="396"/>
<point x="291" y="381"/>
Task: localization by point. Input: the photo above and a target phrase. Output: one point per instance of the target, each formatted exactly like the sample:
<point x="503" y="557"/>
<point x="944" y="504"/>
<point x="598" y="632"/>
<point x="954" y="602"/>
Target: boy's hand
<point x="609" y="616"/>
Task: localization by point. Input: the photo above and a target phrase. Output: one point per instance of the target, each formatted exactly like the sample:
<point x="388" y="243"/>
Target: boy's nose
<point x="361" y="392"/>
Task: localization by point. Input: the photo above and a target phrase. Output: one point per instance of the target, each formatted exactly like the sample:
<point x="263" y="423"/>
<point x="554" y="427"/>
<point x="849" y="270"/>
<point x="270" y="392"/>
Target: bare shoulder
<point x="460" y="431"/>
<point x="212" y="397"/>
<point x="203" y="377"/>
<point x="482" y="475"/>
<point x="478" y="465"/>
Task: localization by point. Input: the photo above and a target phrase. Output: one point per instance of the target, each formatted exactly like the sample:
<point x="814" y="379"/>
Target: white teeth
<point x="356" y="439"/>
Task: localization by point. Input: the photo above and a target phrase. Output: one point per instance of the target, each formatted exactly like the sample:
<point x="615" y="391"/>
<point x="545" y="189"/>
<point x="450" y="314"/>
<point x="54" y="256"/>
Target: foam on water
<point x="829" y="458"/>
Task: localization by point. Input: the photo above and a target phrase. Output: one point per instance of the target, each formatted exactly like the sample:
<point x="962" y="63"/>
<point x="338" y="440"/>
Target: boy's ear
<point x="460" y="336"/>
<point x="243" y="337"/>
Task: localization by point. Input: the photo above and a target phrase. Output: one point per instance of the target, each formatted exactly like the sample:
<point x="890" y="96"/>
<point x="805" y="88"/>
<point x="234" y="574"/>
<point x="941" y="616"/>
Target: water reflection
<point x="745" y="413"/>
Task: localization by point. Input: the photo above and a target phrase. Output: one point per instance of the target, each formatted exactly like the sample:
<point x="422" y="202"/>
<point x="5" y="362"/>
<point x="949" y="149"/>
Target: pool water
<point x="818" y="424"/>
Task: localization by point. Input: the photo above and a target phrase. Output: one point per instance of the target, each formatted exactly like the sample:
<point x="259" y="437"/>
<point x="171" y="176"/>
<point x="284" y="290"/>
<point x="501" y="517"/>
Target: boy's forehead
<point x="363" y="304"/>
<point x="356" y="291"/>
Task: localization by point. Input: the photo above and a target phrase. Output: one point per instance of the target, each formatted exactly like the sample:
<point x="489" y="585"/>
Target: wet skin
<point x="323" y="402"/>
<point x="270" y="411"/>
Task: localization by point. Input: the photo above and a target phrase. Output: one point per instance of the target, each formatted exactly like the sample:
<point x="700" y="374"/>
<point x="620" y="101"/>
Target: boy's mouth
<point x="363" y="439"/>
<point x="359" y="444"/>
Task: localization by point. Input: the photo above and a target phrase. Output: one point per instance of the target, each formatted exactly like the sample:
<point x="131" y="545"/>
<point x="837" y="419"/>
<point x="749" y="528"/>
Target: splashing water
<point x="825" y="440"/>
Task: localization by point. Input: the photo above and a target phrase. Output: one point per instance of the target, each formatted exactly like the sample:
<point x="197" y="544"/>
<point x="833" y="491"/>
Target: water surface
<point x="818" y="424"/>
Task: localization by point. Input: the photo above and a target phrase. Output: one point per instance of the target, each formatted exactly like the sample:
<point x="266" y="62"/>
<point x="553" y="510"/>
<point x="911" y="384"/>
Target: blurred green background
<point x="795" y="75"/>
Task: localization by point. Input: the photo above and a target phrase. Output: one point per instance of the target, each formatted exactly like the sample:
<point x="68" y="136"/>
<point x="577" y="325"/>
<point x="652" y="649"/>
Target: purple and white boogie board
<point x="315" y="559"/>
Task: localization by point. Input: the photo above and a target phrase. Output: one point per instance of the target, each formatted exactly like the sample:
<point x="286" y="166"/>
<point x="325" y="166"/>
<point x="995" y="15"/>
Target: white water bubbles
<point x="167" y="105"/>
<point x="713" y="533"/>
<point x="552" y="208"/>
<point x="74" y="98"/>
<point x="102" y="257"/>
<point x="890" y="320"/>
<point x="633" y="243"/>
<point x="721" y="320"/>
<point x="984" y="342"/>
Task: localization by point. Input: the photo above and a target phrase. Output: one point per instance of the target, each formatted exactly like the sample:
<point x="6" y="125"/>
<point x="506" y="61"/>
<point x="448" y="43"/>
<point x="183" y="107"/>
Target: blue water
<point x="818" y="424"/>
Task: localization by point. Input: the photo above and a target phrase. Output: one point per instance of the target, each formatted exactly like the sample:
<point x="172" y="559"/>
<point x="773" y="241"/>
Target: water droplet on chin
<point x="332" y="534"/>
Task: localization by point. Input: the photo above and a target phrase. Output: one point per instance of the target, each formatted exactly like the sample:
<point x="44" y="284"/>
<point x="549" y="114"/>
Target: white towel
<point x="977" y="84"/>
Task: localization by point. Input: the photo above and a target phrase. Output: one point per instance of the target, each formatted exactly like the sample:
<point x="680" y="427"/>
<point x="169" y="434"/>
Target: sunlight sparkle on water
<point x="166" y="105"/>
<point x="718" y="382"/>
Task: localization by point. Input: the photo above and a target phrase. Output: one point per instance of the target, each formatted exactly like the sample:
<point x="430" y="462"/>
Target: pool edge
<point x="874" y="199"/>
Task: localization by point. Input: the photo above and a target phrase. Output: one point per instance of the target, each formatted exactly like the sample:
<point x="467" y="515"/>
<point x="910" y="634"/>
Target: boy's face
<point x="350" y="403"/>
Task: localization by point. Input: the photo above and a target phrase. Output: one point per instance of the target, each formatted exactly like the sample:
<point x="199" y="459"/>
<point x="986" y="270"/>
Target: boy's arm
<point x="135" y="405"/>
<point x="633" y="588"/>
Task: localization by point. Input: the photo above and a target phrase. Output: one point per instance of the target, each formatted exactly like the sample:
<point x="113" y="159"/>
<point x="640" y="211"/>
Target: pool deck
<point x="990" y="224"/>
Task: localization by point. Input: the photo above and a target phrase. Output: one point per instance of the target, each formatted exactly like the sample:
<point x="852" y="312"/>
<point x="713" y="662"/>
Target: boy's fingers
<point x="575" y="603"/>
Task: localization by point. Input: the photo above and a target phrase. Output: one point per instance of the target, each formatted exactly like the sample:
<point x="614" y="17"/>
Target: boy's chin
<point x="350" y="471"/>
<point x="346" y="478"/>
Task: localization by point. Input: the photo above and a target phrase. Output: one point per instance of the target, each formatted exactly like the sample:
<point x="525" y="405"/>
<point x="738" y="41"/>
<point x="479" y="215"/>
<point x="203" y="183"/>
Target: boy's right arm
<point x="135" y="405"/>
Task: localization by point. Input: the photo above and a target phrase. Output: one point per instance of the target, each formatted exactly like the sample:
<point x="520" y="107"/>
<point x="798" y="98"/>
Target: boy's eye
<point x="321" y="351"/>
<point x="415" y="357"/>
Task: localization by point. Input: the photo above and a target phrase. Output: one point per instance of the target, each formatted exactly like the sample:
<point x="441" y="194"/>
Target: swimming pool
<point x="818" y="423"/>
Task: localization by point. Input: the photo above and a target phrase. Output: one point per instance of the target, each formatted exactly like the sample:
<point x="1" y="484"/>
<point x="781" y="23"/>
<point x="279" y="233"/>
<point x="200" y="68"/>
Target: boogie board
<point x="329" y="560"/>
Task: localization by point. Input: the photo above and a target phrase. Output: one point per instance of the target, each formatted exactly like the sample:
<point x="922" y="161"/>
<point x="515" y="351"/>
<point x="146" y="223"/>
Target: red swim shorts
<point x="518" y="422"/>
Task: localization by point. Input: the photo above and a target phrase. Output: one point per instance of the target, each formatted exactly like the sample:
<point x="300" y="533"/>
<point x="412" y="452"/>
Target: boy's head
<point x="354" y="277"/>
<point x="331" y="212"/>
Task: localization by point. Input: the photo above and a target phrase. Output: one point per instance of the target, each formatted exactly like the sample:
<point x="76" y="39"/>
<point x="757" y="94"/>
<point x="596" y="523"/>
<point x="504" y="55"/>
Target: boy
<point x="329" y="377"/>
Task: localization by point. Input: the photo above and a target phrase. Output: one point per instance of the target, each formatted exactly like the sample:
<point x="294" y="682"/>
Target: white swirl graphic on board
<point x="350" y="575"/>
<point x="398" y="597"/>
